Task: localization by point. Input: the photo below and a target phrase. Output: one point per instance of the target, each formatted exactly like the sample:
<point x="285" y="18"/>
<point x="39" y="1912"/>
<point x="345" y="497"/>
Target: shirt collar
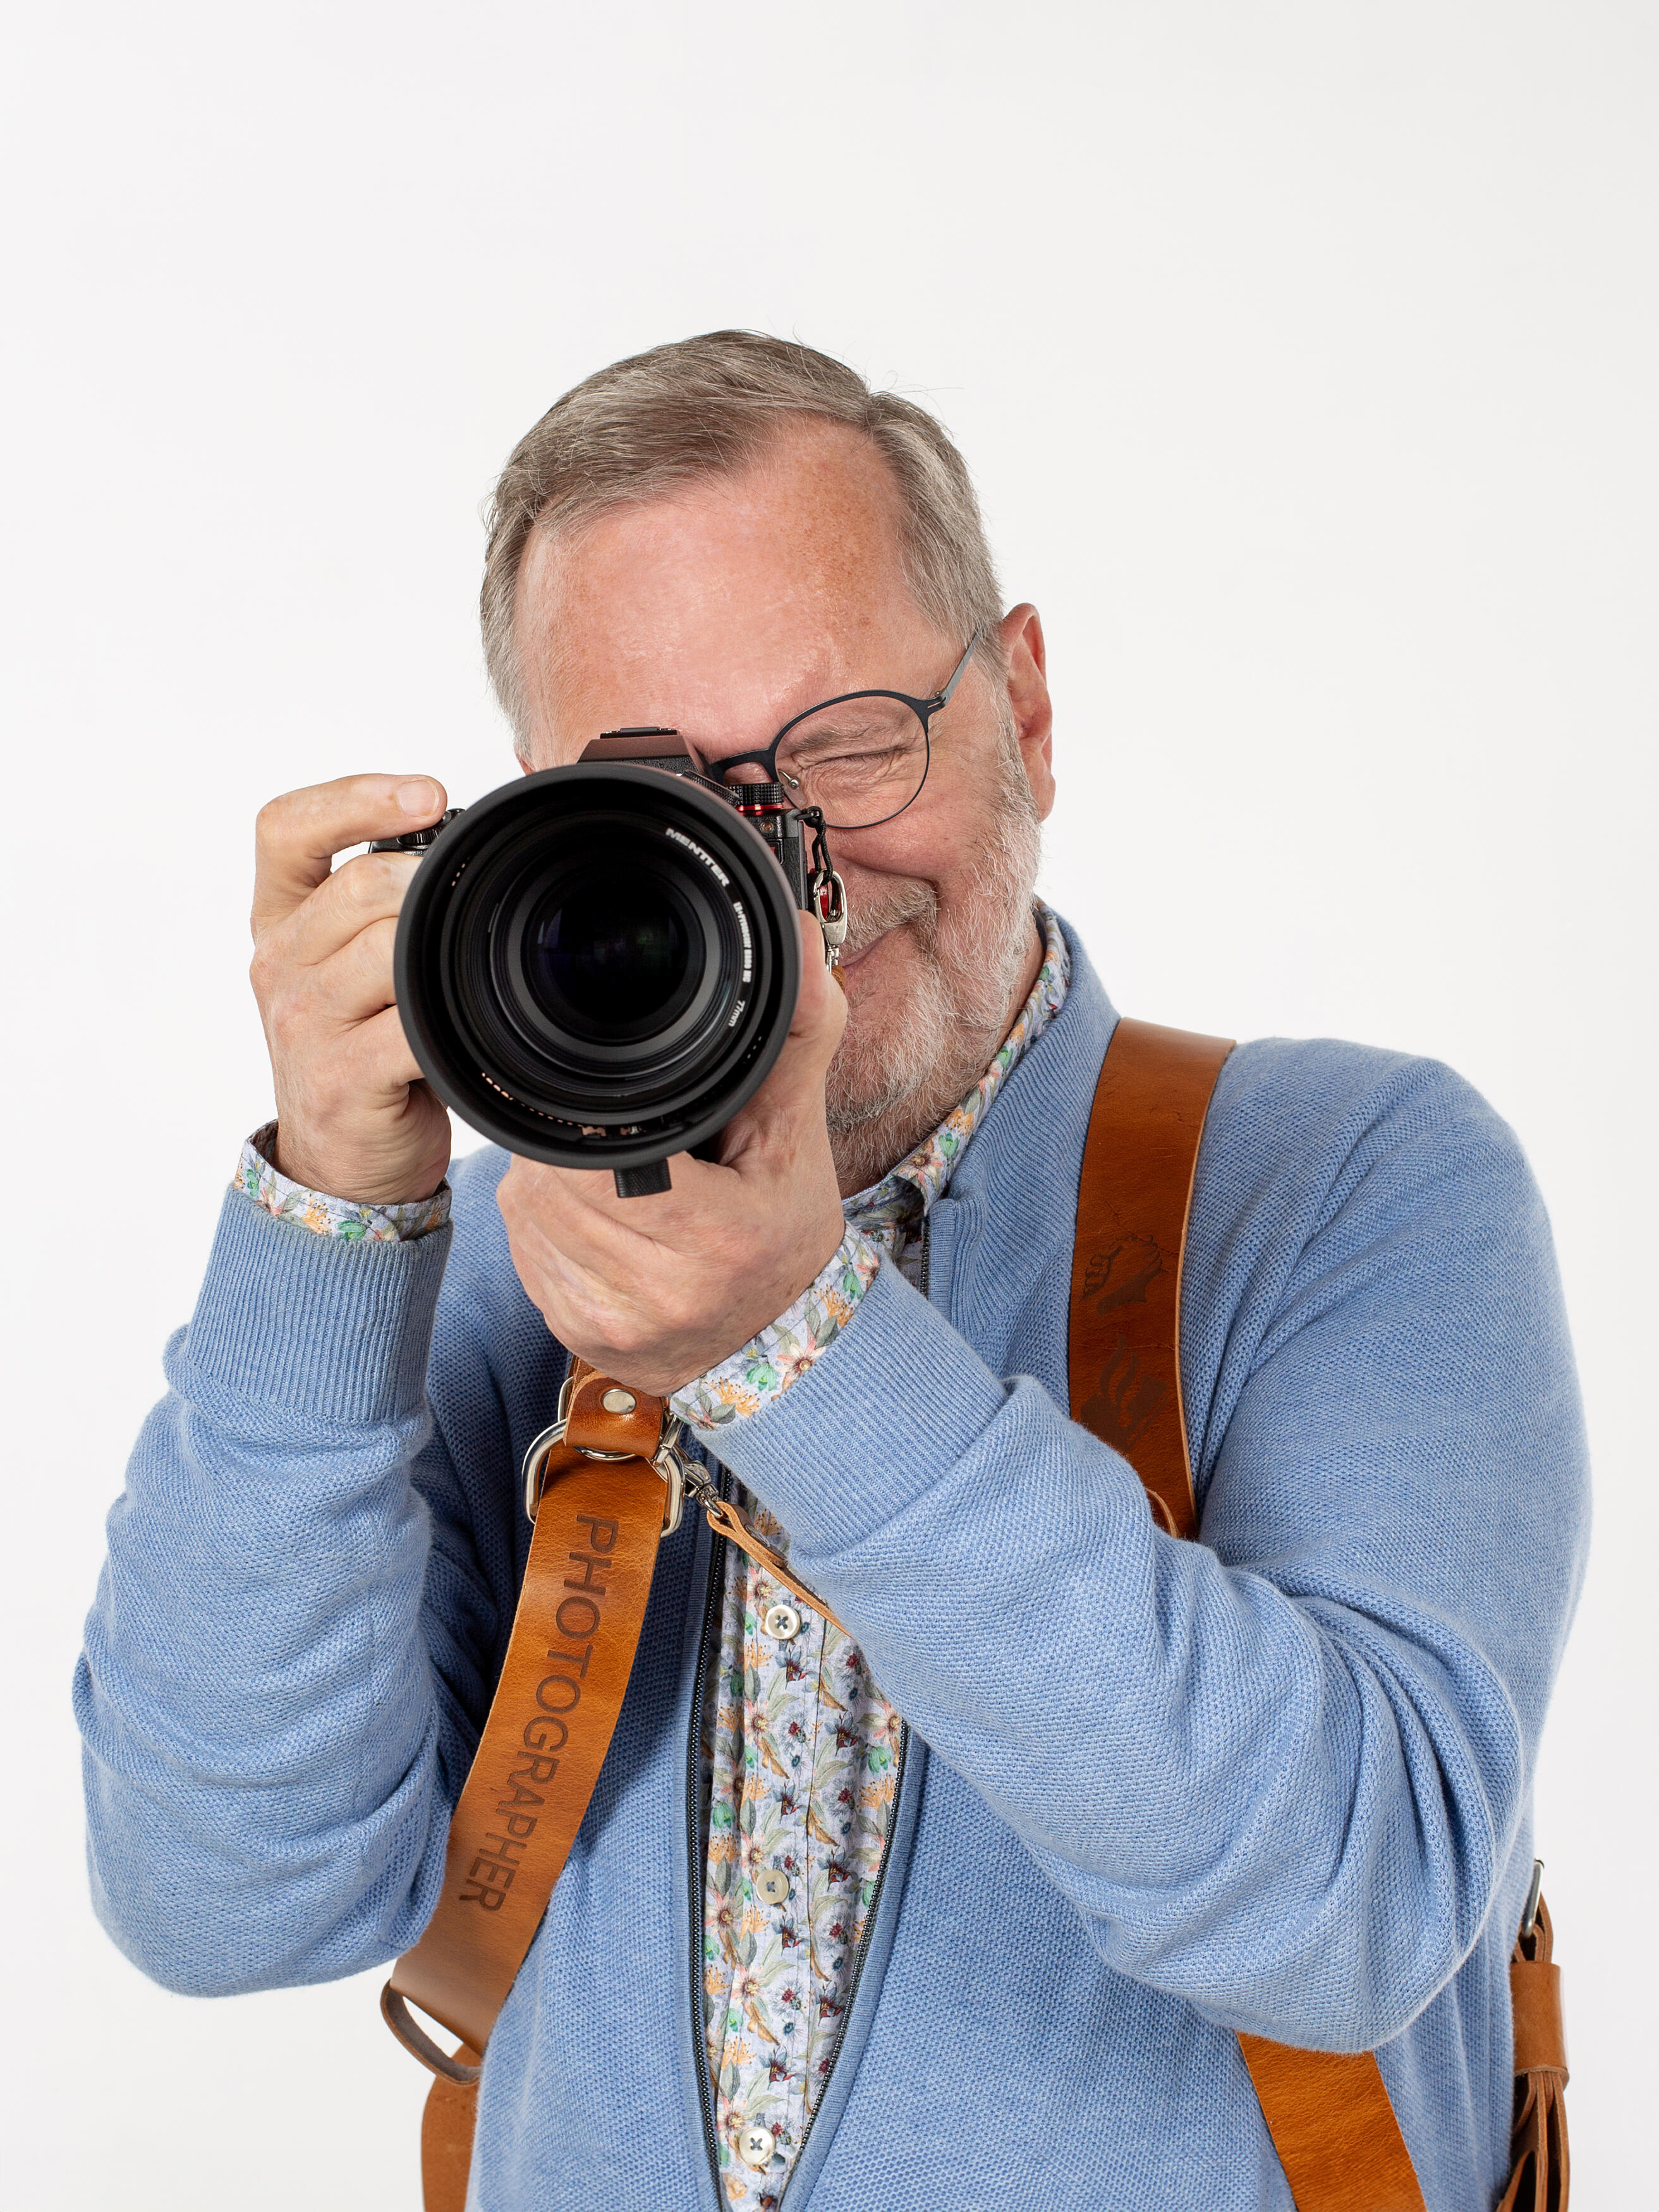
<point x="908" y="1191"/>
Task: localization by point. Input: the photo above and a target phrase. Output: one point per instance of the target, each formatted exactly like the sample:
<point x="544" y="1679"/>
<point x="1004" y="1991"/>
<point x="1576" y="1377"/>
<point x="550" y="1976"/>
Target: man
<point x="962" y="1905"/>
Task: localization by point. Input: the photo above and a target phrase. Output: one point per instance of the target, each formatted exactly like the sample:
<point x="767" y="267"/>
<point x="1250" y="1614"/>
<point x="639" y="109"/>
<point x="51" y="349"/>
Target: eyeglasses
<point x="860" y="759"/>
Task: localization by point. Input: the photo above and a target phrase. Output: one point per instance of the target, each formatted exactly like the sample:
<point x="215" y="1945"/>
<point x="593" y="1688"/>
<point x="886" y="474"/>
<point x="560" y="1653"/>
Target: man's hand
<point x="654" y="1290"/>
<point x="354" y="1119"/>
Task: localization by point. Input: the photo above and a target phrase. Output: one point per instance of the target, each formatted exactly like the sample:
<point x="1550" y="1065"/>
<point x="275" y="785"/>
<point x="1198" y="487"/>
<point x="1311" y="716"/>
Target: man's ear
<point x="1021" y="632"/>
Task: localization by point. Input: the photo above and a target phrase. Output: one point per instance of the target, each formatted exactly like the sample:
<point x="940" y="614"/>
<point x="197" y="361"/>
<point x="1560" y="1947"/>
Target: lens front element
<point x="605" y="956"/>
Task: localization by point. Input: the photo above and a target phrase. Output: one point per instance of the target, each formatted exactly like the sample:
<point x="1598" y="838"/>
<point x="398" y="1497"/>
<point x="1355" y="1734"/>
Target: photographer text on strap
<point x="597" y="1480"/>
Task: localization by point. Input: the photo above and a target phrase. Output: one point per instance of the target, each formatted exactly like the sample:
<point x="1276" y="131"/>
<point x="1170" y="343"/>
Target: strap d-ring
<point x="394" y="2010"/>
<point x="665" y="1459"/>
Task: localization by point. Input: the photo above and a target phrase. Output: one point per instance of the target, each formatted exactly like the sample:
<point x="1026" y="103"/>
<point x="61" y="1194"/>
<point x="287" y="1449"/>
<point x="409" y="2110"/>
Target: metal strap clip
<point x="666" y="1460"/>
<point x="1529" y="1916"/>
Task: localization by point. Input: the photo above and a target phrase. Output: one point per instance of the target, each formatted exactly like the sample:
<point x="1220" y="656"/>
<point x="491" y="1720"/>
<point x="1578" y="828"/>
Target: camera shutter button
<point x="781" y="1622"/>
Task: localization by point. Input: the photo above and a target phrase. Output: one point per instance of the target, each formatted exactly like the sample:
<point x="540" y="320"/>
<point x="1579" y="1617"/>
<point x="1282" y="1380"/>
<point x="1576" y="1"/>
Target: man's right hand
<point x="354" y="1118"/>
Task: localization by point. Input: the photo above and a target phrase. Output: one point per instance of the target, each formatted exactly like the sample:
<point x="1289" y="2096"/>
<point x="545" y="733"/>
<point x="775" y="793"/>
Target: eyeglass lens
<point x="860" y="760"/>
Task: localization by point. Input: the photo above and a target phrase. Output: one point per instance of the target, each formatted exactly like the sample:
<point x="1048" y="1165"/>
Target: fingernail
<point x="418" y="798"/>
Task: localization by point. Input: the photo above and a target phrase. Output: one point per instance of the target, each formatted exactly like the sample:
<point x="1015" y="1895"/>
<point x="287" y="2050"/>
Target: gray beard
<point x="903" y="1066"/>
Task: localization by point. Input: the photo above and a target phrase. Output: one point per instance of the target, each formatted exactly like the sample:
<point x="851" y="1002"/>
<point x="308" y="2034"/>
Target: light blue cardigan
<point x="1155" y="1791"/>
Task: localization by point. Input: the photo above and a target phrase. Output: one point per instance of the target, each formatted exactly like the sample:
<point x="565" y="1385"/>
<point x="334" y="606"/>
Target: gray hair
<point x="708" y="406"/>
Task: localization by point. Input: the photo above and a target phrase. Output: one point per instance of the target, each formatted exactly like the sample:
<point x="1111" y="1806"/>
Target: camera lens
<point x="603" y="956"/>
<point x="597" y="964"/>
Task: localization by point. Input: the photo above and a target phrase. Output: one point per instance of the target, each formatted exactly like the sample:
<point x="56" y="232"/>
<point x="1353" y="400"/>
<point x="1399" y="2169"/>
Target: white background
<point x="1306" y="358"/>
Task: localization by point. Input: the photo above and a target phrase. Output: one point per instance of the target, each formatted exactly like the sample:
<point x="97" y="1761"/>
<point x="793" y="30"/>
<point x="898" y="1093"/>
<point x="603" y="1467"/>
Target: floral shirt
<point x="800" y="1751"/>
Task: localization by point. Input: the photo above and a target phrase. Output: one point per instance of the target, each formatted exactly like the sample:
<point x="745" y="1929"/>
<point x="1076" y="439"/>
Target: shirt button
<point x="755" y="2147"/>
<point x="782" y="1621"/>
<point x="774" y="1886"/>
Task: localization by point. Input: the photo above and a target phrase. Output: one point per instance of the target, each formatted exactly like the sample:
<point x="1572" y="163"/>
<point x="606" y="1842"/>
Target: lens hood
<point x="597" y="965"/>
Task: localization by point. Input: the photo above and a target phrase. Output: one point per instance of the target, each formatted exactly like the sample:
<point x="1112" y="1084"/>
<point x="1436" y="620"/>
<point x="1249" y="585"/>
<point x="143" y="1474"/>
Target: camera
<point x="597" y="965"/>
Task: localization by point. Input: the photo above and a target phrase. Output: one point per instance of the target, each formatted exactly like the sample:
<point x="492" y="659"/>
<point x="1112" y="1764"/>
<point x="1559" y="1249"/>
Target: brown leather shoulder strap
<point x="575" y="1634"/>
<point x="1137" y="1185"/>
<point x="599" y="1515"/>
<point x="1329" y="2115"/>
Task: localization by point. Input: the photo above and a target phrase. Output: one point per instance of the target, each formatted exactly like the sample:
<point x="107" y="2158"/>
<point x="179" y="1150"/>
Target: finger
<point x="795" y="1089"/>
<point x="379" y="1058"/>
<point x="570" y="1249"/>
<point x="355" y="983"/>
<point x="362" y="892"/>
<point x="297" y="835"/>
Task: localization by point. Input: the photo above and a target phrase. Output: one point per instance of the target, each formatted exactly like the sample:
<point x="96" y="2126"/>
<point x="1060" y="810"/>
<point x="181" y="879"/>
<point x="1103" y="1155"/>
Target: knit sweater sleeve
<point x="289" y="1651"/>
<point x="1279" y="1772"/>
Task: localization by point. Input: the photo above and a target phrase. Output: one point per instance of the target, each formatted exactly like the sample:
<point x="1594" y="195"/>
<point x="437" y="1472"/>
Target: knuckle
<point x="369" y="880"/>
<point x="287" y="1021"/>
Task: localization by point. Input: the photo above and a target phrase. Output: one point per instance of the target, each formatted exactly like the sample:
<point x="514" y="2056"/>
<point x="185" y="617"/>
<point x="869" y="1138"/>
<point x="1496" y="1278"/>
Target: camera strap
<point x="607" y="1482"/>
<point x="1329" y="2112"/>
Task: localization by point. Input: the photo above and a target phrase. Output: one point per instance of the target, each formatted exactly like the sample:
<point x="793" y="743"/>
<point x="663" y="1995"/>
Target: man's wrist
<point x="258" y="1177"/>
<point x="771" y="1362"/>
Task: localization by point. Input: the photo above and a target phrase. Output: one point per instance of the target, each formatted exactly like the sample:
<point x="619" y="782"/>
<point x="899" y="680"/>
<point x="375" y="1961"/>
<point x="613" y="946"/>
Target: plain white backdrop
<point x="1305" y="354"/>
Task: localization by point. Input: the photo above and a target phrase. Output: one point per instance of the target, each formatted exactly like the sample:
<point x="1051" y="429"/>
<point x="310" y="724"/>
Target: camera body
<point x="598" y="965"/>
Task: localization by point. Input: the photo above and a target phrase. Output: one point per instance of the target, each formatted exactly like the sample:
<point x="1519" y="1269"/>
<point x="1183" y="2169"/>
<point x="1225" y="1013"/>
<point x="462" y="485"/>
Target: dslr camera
<point x="598" y="965"/>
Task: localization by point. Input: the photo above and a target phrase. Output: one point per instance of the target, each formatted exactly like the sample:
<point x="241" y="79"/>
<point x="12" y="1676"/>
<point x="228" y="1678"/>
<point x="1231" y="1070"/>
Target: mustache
<point x="910" y="900"/>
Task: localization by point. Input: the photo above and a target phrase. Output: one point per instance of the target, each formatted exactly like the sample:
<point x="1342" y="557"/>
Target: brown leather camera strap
<point x="1330" y="2116"/>
<point x="599" y="1518"/>
<point x="1329" y="2113"/>
<point x="1540" y="2166"/>
<point x="580" y="1610"/>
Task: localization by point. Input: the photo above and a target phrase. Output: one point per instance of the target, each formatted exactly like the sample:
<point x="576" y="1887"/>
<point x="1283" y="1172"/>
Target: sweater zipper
<point x="695" y="1843"/>
<point x="870" y="1918"/>
<point x="696" y="1848"/>
<point x="858" y="1963"/>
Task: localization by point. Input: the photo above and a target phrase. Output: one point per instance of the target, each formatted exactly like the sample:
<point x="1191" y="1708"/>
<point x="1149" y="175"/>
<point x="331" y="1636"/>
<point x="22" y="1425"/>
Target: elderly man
<point x="961" y="1904"/>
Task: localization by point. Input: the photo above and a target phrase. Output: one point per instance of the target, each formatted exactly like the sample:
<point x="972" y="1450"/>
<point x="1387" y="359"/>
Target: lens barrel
<point x="597" y="965"/>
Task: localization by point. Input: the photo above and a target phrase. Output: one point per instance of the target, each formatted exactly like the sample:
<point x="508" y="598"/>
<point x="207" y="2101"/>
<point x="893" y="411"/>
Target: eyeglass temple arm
<point x="960" y="670"/>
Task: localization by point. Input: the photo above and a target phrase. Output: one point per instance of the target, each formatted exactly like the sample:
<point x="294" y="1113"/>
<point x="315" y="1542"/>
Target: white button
<point x="755" y="2147"/>
<point x="782" y="1621"/>
<point x="773" y="1885"/>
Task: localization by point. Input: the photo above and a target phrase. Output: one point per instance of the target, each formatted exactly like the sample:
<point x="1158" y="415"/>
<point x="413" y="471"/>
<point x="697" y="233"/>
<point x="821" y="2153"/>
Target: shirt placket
<point x="764" y="2062"/>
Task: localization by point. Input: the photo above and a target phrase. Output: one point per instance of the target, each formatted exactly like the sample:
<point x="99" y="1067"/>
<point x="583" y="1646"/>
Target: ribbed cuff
<point x="338" y="1327"/>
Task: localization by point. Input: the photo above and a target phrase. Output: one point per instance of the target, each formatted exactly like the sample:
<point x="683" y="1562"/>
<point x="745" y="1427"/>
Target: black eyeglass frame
<point x="923" y="709"/>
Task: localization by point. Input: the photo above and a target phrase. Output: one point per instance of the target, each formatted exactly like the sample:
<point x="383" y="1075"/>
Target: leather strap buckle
<point x="666" y="1460"/>
<point x="394" y="2010"/>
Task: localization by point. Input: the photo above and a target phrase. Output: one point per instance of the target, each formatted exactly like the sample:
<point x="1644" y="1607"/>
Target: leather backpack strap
<point x="1329" y="2115"/>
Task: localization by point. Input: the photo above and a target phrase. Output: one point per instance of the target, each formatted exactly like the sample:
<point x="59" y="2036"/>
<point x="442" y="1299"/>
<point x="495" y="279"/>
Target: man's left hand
<point x="654" y="1290"/>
